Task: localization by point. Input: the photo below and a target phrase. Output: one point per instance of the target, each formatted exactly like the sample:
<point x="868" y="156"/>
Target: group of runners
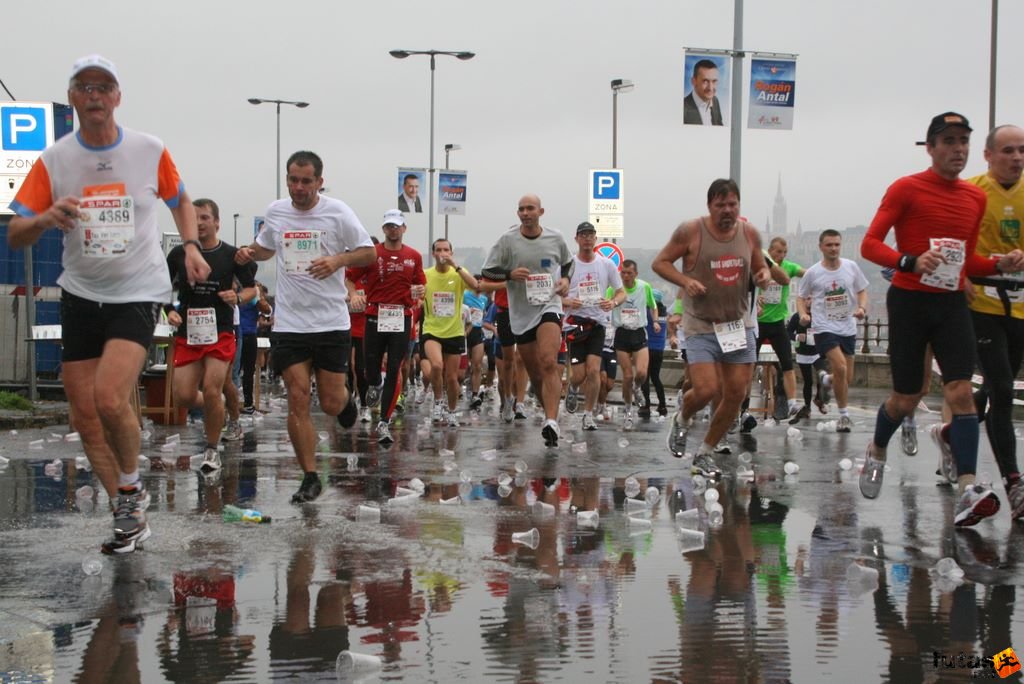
<point x="101" y="187"/>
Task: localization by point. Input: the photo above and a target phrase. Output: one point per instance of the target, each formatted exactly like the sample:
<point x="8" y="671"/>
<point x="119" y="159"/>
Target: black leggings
<point x="1000" y="350"/>
<point x="807" y="374"/>
<point x="248" y="366"/>
<point x="396" y="346"/>
<point x="654" y="375"/>
<point x="359" y="376"/>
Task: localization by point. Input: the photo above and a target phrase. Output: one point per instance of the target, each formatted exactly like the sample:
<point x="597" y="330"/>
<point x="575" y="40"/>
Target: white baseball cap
<point x="94" y="62"/>
<point x="394" y="217"/>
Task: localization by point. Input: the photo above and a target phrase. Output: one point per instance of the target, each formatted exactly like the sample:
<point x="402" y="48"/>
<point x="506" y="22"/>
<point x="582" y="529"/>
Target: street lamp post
<point x="235" y="243"/>
<point x="278" y="103"/>
<point x="402" y="54"/>
<point x="448" y="149"/>
<point x="619" y="85"/>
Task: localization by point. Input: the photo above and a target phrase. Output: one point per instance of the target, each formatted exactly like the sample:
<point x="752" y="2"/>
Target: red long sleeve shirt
<point x="922" y="206"/>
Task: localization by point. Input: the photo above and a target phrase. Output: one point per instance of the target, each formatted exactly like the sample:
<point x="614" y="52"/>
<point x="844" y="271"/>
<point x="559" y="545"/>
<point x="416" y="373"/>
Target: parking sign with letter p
<point x="23" y="128"/>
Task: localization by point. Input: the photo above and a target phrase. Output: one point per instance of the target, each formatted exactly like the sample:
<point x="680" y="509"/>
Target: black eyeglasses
<point x="90" y="88"/>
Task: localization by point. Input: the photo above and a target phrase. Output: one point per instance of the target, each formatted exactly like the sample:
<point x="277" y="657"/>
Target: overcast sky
<point x="532" y="111"/>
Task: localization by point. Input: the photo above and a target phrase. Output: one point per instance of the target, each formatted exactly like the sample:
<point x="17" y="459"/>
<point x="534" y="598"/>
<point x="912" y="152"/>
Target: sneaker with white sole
<point x="1015" y="494"/>
<point x="628" y="422"/>
<point x="373" y="394"/>
<point x="211" y="461"/>
<point x="364" y="415"/>
<point x="588" y="422"/>
<point x="976" y="504"/>
<point x="232" y="432"/>
<point x="704" y="464"/>
<point x="550" y="433"/>
<point x="384" y="433"/>
<point x="130" y="526"/>
<point x="723" y="447"/>
<point x="873" y="473"/>
<point x="520" y="412"/>
<point x="572" y="398"/>
<point x="437" y="415"/>
<point x="452" y="419"/>
<point x="508" y="411"/>
<point x="844" y="424"/>
<point x="947" y="464"/>
<point x="908" y="439"/>
<point x="677" y="431"/>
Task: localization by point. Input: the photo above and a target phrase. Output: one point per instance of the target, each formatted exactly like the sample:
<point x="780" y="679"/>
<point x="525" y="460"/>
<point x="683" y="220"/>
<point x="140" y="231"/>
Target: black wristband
<point x="906" y="264"/>
<point x="192" y="242"/>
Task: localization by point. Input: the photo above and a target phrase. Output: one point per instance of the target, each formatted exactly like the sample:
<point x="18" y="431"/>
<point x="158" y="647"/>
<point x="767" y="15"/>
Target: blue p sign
<point x="23" y="128"/>
<point x="607" y="185"/>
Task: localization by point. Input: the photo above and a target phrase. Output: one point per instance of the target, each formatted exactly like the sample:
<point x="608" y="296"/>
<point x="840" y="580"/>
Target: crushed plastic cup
<point x="172" y="439"/>
<point x="404" y="500"/>
<point x="352" y="462"/>
<point x="631" y="486"/>
<point x="845" y="464"/>
<point x="522" y="466"/>
<point x="791" y="467"/>
<point x="4" y="461"/>
<point x="821" y="426"/>
<point x="745" y="458"/>
<point x="744" y="473"/>
<point x="638" y="523"/>
<point x="530" y="538"/>
<point x="405" y="491"/>
<point x="504" y="479"/>
<point x="716" y="514"/>
<point x="72" y="437"/>
<point x="700" y="483"/>
<point x="521" y="479"/>
<point x="711" y="495"/>
<point x="453" y="501"/>
<point x="465" y="476"/>
<point x="489" y="454"/>
<point x="92" y="566"/>
<point x="368" y="513"/>
<point x="54" y="437"/>
<point x="13" y="433"/>
<point x="623" y="442"/>
<point x="770" y="422"/>
<point x="688" y="519"/>
<point x="322" y="436"/>
<point x="634" y="505"/>
<point x="504" y="491"/>
<point x="690" y="540"/>
<point x="542" y="509"/>
<point x="589" y="519"/>
<point x="35" y="444"/>
<point x="947" y="567"/>
<point x="168" y="447"/>
<point x="143" y="462"/>
<point x="416" y="484"/>
<point x="465" y="489"/>
<point x="54" y="468"/>
<point x="146" y="435"/>
<point x="652" y="496"/>
<point x="82" y="463"/>
<point x="449" y="466"/>
<point x="861" y="579"/>
<point x="530" y="497"/>
<point x="351" y="667"/>
<point x="579" y="447"/>
<point x="794" y="433"/>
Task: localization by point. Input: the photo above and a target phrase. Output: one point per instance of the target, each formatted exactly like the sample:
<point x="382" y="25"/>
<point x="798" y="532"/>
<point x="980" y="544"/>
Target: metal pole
<point x="277" y="169"/>
<point x="992" y="66"/>
<point x="430" y="204"/>
<point x="30" y="320"/>
<point x="736" y="125"/>
<point x="447" y="151"/>
<point x="615" y="129"/>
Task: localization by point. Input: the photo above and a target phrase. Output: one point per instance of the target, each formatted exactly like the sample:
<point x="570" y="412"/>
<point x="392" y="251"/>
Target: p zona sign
<point x="606" y="191"/>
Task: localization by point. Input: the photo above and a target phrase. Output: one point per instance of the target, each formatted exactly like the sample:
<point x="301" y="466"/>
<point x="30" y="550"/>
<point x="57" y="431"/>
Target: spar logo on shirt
<point x="727" y="269"/>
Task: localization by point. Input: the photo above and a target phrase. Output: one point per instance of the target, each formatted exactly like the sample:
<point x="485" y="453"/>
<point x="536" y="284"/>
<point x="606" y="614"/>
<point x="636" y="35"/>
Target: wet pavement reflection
<point x="586" y="566"/>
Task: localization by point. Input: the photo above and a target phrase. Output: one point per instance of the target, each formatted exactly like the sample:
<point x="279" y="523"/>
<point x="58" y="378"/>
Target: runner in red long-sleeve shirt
<point x="936" y="217"/>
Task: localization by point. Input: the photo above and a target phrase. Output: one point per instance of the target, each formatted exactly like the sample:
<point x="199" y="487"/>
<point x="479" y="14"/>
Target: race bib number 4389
<point x="108" y="225"/>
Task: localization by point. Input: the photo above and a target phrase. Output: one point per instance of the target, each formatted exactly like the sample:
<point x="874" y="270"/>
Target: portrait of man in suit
<point x="701" y="106"/>
<point x="409" y="200"/>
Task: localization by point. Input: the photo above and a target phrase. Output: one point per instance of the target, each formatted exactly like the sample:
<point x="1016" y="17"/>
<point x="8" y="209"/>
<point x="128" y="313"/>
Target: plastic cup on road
<point x="416" y="484"/>
<point x="638" y="523"/>
<point x="405" y="491"/>
<point x="652" y="496"/>
<point x="404" y="500"/>
<point x="504" y="491"/>
<point x="635" y="505"/>
<point x="543" y="510"/>
<point x="368" y="514"/>
<point x="845" y="464"/>
<point x="92" y="566"/>
<point x="589" y="519"/>
<point x="699" y="484"/>
<point x="72" y="437"/>
<point x="521" y="466"/>
<point x="504" y="479"/>
<point x="465" y="476"/>
<point x="453" y="501"/>
<point x="465" y="489"/>
<point x="716" y="514"/>
<point x="711" y="495"/>
<point x="579" y="447"/>
<point x="631" y="486"/>
<point x="690" y="540"/>
<point x="689" y="519"/>
<point x="530" y="538"/>
<point x="450" y="466"/>
<point x="35" y="444"/>
<point x="489" y="454"/>
<point x="791" y="467"/>
<point x="351" y="666"/>
<point x="4" y="461"/>
<point x="445" y="453"/>
<point x="623" y="442"/>
<point x="352" y="462"/>
<point x="947" y="567"/>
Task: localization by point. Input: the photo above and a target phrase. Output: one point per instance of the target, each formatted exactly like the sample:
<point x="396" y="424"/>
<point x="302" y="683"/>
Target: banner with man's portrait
<point x="410" y="182"/>
<point x="772" y="93"/>
<point x="707" y="84"/>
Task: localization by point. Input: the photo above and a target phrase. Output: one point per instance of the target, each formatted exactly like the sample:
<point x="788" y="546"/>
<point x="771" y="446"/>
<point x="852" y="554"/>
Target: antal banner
<point x="772" y="93"/>
<point x="451" y="192"/>
<point x="706" y="88"/>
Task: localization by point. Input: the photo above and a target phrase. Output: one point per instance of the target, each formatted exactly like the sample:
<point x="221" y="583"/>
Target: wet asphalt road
<point x="440" y="592"/>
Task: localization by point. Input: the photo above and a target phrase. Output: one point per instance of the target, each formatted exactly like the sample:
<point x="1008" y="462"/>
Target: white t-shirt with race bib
<point x="303" y="303"/>
<point x="833" y="296"/>
<point x="590" y="282"/>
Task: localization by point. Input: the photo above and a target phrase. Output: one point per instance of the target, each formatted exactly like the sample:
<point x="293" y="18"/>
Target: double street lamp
<point x="402" y="54"/>
<point x="278" y="103"/>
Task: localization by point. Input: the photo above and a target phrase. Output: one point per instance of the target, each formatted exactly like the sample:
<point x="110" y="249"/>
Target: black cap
<point x="585" y="227"/>
<point x="944" y="121"/>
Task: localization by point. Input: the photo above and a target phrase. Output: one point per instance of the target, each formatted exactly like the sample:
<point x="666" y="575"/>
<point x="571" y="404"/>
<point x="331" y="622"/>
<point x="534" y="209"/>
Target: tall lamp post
<point x="278" y="103"/>
<point x="448" y="149"/>
<point x="619" y="85"/>
<point x="235" y="243"/>
<point x="402" y="54"/>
